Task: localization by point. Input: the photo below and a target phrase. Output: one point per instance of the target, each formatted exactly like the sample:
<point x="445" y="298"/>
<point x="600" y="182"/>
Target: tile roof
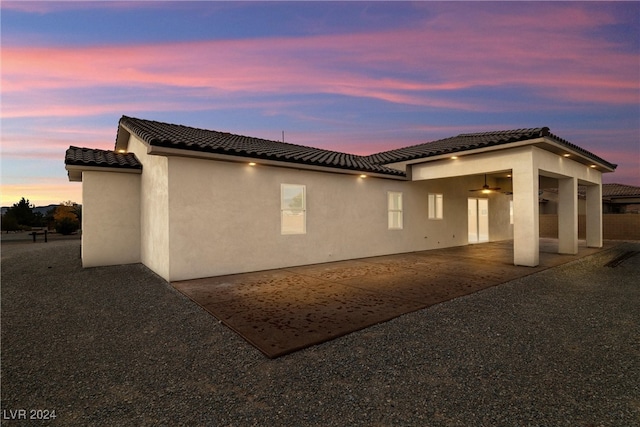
<point x="613" y="191"/>
<point x="161" y="134"/>
<point x="470" y="141"/>
<point x="77" y="156"/>
<point x="455" y="144"/>
<point x="188" y="138"/>
<point x="609" y="191"/>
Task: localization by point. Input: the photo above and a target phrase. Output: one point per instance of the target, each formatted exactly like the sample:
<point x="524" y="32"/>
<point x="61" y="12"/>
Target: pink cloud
<point x="427" y="64"/>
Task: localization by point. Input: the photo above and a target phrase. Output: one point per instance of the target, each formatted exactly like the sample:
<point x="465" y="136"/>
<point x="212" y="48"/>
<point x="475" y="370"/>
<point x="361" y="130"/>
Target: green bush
<point x="67" y="226"/>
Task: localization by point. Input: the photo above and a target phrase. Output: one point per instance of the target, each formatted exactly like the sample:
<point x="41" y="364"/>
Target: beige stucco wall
<point x="154" y="208"/>
<point x="225" y="217"/>
<point x="110" y="218"/>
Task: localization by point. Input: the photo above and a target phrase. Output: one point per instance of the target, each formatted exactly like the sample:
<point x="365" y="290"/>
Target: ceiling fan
<point x="485" y="188"/>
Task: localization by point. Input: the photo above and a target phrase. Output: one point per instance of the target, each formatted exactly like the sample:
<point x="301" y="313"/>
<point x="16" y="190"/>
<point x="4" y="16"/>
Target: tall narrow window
<point x="293" y="209"/>
<point x="435" y="206"/>
<point x="394" y="206"/>
<point x="511" y="212"/>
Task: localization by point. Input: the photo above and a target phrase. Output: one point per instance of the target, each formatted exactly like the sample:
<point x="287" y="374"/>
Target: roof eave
<point x="122" y="138"/>
<point x="568" y="151"/>
<point x="74" y="171"/>
<point x="168" y="151"/>
<point x="459" y="153"/>
<point x="547" y="143"/>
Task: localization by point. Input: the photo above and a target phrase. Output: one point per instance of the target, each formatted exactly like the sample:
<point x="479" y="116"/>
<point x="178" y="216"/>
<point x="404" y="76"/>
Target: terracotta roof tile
<point x="187" y="138"/>
<point x="620" y="190"/>
<point x="470" y="141"/>
<point x="101" y="158"/>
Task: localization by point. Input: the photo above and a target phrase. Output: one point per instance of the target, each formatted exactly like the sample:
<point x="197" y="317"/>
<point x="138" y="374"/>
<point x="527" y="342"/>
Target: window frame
<point x="395" y="214"/>
<point x="293" y="211"/>
<point x="435" y="208"/>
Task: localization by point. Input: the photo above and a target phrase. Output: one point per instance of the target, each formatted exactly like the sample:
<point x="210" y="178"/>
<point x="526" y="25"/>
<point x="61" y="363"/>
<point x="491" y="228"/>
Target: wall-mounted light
<point x="252" y="163"/>
<point x="121" y="151"/>
<point x="454" y="157"/>
<point x="363" y="176"/>
<point x="593" y="166"/>
<point x="566" y="155"/>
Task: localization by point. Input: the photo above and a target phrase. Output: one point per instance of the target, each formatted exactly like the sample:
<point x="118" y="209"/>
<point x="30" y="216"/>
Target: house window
<point x="293" y="209"/>
<point x="511" y="212"/>
<point x="435" y="206"/>
<point x="394" y="207"/>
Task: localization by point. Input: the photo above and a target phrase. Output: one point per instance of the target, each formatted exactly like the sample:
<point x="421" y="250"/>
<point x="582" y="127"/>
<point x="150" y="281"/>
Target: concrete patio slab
<point x="284" y="310"/>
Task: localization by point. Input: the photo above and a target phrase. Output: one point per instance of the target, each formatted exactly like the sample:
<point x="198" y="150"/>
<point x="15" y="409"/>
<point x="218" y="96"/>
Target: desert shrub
<point x="67" y="225"/>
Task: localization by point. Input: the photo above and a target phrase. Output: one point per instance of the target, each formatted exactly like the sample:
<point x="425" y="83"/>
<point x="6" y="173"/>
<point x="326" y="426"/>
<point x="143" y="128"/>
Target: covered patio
<point x="284" y="310"/>
<point x="538" y="160"/>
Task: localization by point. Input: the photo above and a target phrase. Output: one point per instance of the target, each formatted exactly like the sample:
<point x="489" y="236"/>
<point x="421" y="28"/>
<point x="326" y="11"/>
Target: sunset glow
<point x="357" y="77"/>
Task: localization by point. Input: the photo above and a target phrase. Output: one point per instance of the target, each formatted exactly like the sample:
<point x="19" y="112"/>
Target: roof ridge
<point x="543" y="131"/>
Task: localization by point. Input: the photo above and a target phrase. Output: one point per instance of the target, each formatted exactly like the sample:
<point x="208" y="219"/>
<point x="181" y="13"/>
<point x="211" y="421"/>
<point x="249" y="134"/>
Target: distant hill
<point x="42" y="209"/>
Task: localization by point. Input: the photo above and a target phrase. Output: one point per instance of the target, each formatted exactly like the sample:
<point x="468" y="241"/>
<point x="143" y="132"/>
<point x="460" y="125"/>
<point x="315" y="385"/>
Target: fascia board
<point x="575" y="155"/>
<point x="167" y="151"/>
<point x="473" y="151"/>
<point x="75" y="171"/>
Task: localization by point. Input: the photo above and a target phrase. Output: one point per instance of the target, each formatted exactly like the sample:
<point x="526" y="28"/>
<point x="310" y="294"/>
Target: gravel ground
<point x="119" y="346"/>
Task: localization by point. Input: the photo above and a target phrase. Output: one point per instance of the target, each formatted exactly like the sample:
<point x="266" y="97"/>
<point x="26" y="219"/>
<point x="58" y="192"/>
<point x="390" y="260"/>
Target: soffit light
<point x="363" y="176"/>
<point x="252" y="163"/>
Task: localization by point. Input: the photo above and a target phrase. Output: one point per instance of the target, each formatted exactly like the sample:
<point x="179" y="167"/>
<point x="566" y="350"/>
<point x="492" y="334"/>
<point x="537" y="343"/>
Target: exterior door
<point x="478" y="220"/>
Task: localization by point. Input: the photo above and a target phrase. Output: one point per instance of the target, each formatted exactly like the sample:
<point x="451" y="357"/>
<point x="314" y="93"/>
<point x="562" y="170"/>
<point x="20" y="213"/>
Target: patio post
<point x="568" y="216"/>
<point x="526" y="225"/>
<point x="594" y="216"/>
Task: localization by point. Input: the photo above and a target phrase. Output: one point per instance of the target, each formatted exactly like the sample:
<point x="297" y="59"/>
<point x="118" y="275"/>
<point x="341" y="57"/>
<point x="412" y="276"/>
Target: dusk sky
<point x="357" y="77"/>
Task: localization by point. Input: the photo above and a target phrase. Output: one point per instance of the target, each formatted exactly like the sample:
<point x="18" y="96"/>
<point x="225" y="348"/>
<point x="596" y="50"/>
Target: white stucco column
<point x="526" y="225"/>
<point x="594" y="216"/>
<point x="568" y="216"/>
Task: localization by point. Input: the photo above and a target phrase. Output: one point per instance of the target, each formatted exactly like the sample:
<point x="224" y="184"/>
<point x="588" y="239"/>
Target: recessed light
<point x="593" y="166"/>
<point x="122" y="151"/>
<point x="252" y="163"/>
<point x="363" y="176"/>
<point x="566" y="155"/>
<point x="454" y="157"/>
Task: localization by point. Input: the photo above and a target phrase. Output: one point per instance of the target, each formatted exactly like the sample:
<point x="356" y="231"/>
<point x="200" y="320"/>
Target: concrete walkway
<point x="284" y="310"/>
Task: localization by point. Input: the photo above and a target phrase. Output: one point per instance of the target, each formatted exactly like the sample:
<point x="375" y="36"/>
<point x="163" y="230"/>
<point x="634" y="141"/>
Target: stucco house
<point x="192" y="203"/>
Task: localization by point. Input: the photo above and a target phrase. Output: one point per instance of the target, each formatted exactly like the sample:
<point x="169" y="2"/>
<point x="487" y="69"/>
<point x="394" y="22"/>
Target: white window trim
<point x="300" y="211"/>
<point x="436" y="206"/>
<point x="392" y="212"/>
